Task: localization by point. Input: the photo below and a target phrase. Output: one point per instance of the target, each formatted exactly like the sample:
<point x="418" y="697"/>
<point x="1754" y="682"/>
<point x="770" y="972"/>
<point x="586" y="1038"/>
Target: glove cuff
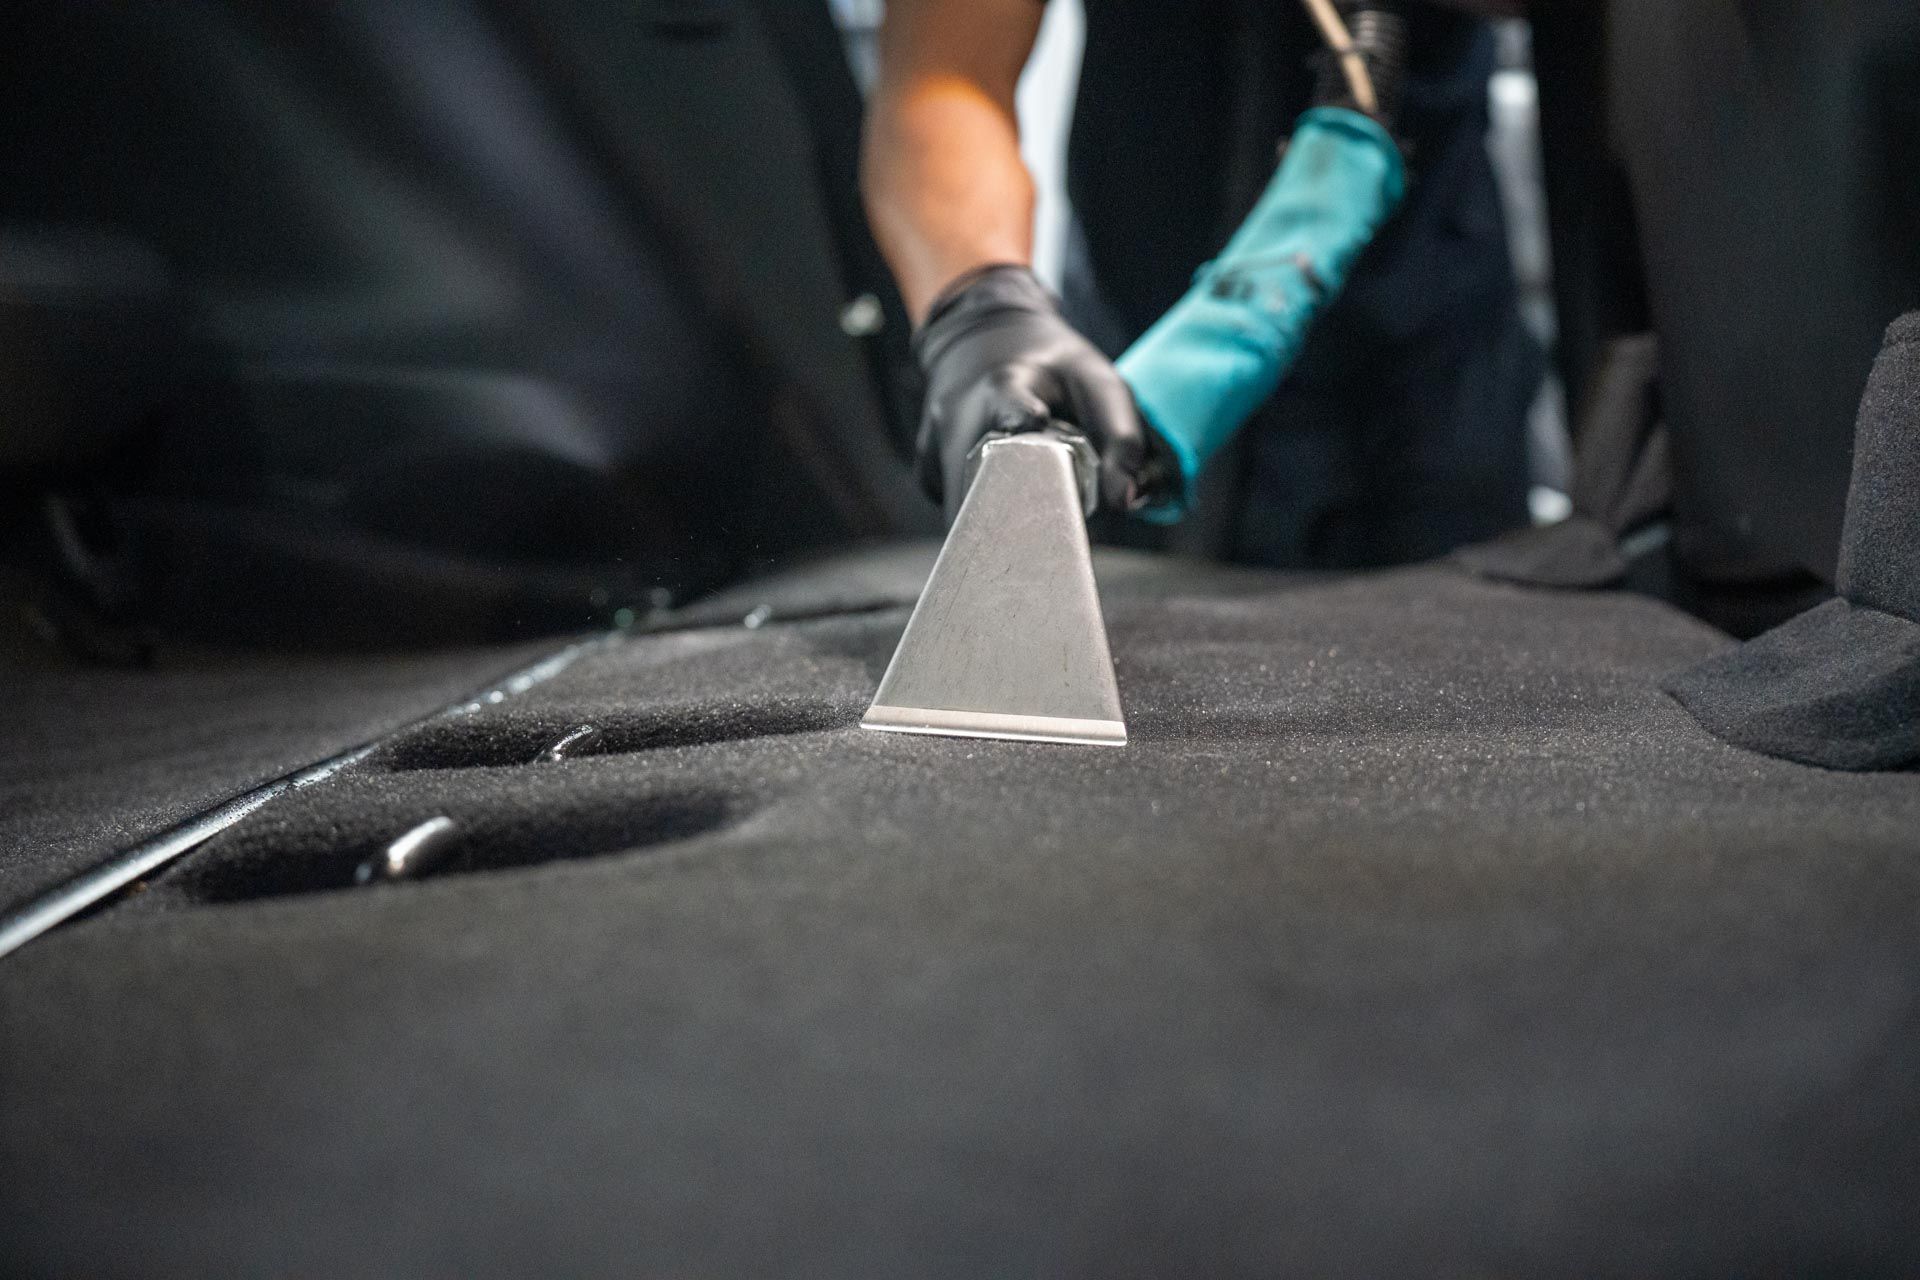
<point x="981" y="291"/>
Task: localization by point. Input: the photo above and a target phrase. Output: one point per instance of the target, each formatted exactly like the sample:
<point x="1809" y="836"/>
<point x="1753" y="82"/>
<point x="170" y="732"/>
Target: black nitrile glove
<point x="999" y="357"/>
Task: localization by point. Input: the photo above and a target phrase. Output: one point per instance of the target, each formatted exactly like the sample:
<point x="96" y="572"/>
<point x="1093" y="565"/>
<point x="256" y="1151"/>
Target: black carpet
<point x="1416" y="931"/>
<point x="94" y="759"/>
<point x="1839" y="685"/>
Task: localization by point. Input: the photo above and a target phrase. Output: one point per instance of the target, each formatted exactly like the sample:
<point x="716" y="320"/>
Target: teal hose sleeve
<point x="1203" y="369"/>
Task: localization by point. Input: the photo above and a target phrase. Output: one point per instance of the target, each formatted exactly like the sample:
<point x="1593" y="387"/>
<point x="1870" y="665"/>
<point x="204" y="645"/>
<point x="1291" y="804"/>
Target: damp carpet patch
<point x="1415" y="931"/>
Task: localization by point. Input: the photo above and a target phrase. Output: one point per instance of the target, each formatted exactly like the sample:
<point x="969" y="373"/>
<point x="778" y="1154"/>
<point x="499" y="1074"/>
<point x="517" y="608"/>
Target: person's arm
<point x="951" y="205"/>
<point x="945" y="187"/>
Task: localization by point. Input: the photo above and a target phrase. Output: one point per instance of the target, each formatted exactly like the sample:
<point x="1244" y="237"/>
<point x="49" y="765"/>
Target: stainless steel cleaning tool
<point x="1007" y="640"/>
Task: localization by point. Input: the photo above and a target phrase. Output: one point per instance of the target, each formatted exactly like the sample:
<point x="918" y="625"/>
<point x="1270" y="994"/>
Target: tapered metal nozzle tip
<point x="1008" y="640"/>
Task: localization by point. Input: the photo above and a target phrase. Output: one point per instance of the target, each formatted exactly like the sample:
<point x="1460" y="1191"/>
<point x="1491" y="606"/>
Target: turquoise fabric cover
<point x="1203" y="369"/>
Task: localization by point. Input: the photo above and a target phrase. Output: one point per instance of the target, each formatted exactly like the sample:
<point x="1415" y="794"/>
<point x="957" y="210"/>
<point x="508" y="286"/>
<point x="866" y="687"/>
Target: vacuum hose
<point x="1203" y="369"/>
<point x="1379" y="36"/>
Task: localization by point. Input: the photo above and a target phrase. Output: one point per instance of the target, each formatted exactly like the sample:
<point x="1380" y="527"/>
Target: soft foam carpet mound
<point x="1415" y="931"/>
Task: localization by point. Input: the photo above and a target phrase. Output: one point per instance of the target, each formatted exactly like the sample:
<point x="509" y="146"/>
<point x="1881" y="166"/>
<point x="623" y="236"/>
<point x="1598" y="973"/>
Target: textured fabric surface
<point x="93" y="760"/>
<point x="1880" y="545"/>
<point x="1840" y="686"/>
<point x="1578" y="552"/>
<point x="1415" y="931"/>
<point x="1620" y="482"/>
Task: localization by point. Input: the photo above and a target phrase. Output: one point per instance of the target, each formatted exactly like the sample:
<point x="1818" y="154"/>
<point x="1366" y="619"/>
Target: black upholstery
<point x="89" y="328"/>
<point x="469" y="284"/>
<point x="1622" y="483"/>
<point x="1839" y="686"/>
<point x="1770" y="151"/>
<point x="1416" y="931"/>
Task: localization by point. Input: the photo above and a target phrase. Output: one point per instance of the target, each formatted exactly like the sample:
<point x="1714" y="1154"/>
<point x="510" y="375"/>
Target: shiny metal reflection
<point x="38" y="915"/>
<point x="571" y="743"/>
<point x="412" y="854"/>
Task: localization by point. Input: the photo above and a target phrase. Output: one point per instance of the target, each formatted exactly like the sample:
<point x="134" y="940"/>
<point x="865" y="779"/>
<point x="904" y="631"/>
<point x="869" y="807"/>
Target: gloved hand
<point x="1000" y="357"/>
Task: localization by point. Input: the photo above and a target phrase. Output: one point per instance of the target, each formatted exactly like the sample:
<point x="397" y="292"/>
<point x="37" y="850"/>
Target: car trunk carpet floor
<point x="95" y="759"/>
<point x="1416" y="930"/>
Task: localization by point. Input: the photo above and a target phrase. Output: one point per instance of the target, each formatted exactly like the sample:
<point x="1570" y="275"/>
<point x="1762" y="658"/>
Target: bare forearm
<point x="945" y="187"/>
